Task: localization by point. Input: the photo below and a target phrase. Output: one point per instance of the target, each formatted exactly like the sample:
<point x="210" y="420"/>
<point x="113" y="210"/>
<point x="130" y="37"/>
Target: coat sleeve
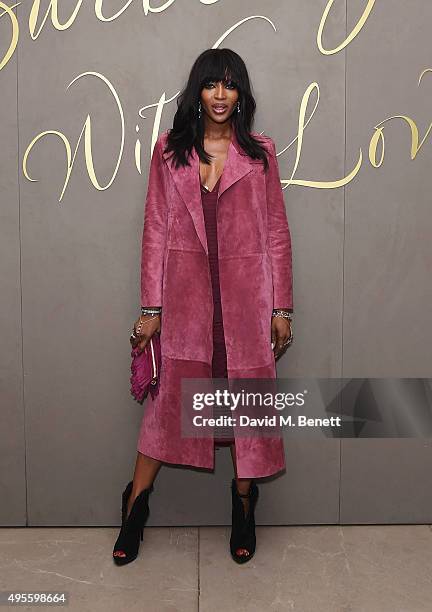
<point x="154" y="234"/>
<point x="279" y="236"/>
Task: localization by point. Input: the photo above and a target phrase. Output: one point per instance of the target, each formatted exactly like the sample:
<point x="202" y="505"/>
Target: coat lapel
<point x="187" y="180"/>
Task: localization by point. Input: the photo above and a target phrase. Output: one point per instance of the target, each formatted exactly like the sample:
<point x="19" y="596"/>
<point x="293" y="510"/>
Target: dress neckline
<point x="214" y="188"/>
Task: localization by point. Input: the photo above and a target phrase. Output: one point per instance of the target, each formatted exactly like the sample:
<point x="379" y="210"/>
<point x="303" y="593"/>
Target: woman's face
<point x="219" y="99"/>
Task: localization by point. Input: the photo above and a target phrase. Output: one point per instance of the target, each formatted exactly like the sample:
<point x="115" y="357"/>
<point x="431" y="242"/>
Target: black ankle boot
<point x="243" y="526"/>
<point x="128" y="540"/>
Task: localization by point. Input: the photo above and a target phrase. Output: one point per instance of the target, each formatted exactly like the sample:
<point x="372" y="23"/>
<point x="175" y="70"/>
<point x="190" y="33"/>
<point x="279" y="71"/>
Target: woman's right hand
<point x="144" y="328"/>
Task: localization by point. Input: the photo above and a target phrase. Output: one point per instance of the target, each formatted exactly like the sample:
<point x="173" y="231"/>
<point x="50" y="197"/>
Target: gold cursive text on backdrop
<point x="359" y="25"/>
<point x="376" y="140"/>
<point x="86" y="130"/>
<point x="52" y="12"/>
<point x="378" y="137"/>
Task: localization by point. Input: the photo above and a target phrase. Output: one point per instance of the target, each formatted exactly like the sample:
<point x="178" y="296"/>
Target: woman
<point x="215" y="242"/>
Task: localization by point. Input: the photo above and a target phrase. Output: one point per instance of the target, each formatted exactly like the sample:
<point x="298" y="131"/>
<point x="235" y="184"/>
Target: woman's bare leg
<point x="243" y="485"/>
<point x="146" y="469"/>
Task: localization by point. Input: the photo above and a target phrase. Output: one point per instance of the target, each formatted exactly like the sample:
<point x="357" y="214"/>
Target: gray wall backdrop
<point x="70" y="268"/>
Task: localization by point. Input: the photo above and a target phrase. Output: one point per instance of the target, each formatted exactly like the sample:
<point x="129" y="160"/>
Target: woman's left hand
<point x="280" y="334"/>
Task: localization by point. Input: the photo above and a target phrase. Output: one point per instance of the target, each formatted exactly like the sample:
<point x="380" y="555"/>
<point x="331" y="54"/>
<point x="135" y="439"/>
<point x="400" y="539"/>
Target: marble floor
<point x="308" y="569"/>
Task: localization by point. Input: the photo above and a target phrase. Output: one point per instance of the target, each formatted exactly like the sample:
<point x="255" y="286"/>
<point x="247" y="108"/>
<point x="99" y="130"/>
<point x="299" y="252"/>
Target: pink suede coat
<point x="255" y="275"/>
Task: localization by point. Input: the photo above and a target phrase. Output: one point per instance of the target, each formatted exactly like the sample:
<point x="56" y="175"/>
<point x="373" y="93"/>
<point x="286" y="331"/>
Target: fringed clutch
<point x="145" y="368"/>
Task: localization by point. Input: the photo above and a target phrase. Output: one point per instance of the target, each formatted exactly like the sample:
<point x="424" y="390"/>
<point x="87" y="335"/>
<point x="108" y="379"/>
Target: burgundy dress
<point x="219" y="362"/>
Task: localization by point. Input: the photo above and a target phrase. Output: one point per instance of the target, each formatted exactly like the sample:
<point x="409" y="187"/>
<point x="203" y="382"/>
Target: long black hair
<point x="188" y="129"/>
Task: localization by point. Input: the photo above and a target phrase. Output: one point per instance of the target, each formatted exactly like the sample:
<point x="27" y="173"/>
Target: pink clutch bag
<point x="145" y="368"/>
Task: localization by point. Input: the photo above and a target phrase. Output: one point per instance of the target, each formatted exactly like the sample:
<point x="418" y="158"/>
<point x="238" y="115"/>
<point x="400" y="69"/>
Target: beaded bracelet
<point x="282" y="313"/>
<point x="152" y="311"/>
